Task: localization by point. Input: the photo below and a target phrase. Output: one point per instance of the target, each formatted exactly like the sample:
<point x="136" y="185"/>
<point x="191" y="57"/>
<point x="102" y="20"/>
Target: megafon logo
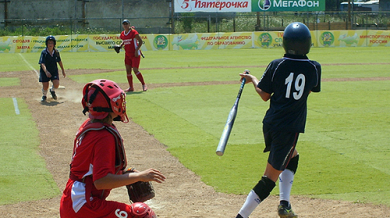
<point x="264" y="4"/>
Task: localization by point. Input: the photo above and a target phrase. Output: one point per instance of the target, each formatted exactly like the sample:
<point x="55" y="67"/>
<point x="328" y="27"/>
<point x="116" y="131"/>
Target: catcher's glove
<point x="139" y="191"/>
<point x="117" y="48"/>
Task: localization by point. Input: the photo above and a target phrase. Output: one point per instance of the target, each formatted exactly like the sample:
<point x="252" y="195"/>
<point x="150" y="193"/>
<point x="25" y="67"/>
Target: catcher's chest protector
<point x="120" y="155"/>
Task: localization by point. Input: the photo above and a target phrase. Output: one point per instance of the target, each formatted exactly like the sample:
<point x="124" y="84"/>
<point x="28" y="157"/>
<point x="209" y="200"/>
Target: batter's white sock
<point x="53" y="89"/>
<point x="286" y="179"/>
<point x="252" y="201"/>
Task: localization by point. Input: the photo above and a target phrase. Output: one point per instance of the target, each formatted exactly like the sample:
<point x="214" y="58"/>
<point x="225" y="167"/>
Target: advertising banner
<point x="155" y="42"/>
<point x="353" y="38"/>
<point x="186" y="6"/>
<point x="206" y="41"/>
<point x="23" y="44"/>
<point x="73" y="43"/>
<point x="288" y="5"/>
<point x="268" y="39"/>
<point x="103" y="42"/>
<point x="195" y="41"/>
<point x="183" y="6"/>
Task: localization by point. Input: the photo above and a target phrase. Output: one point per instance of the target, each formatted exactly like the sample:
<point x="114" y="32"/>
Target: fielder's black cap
<point x="126" y="21"/>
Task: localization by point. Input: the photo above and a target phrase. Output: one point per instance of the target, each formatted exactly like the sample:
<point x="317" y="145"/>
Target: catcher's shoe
<point x="286" y="212"/>
<point x="144" y="88"/>
<point x="53" y="94"/>
<point x="129" y="90"/>
<point x="43" y="98"/>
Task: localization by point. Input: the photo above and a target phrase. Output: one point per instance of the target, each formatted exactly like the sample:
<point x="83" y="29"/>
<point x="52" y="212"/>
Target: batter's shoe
<point x="53" y="94"/>
<point x="129" y="90"/>
<point x="144" y="88"/>
<point x="286" y="212"/>
<point x="43" y="98"/>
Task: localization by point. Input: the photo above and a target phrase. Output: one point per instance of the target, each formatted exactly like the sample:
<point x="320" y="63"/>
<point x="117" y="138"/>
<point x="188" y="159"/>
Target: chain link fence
<point x="200" y="23"/>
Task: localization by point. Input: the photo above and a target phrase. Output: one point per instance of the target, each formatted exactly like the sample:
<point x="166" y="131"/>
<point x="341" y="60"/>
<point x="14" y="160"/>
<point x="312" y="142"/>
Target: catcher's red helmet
<point x="103" y="96"/>
<point x="142" y="210"/>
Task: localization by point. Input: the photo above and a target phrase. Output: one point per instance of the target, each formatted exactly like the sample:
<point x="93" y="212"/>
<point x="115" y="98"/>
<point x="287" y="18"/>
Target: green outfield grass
<point x="344" y="152"/>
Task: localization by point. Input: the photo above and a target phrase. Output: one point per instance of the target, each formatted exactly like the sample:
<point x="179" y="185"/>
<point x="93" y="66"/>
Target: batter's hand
<point x="48" y="74"/>
<point x="64" y="74"/>
<point x="249" y="78"/>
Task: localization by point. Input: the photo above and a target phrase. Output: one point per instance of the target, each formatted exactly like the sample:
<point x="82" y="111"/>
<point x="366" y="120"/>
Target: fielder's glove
<point x="117" y="48"/>
<point x="139" y="191"/>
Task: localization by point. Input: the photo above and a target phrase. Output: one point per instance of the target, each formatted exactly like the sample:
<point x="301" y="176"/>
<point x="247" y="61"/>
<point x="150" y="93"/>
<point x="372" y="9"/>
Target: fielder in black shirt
<point x="287" y="82"/>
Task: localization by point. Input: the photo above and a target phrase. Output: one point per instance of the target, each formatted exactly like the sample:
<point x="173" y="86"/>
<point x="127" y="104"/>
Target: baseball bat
<point x="229" y="122"/>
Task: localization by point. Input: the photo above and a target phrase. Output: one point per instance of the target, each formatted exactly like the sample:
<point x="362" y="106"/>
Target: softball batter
<point x="287" y="83"/>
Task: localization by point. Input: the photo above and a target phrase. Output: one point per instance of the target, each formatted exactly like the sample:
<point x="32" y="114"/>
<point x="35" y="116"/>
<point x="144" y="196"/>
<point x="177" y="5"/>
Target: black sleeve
<point x="317" y="88"/>
<point x="42" y="58"/>
<point x="265" y="83"/>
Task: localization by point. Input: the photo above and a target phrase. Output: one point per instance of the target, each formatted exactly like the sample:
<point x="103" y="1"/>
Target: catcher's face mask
<point x="103" y="96"/>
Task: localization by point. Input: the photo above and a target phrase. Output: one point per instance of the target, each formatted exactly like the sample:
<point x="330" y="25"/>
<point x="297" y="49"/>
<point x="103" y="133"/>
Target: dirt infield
<point x="183" y="195"/>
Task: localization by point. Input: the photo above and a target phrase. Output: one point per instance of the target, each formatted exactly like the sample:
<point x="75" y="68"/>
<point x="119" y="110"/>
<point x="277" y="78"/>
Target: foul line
<point x="17" y="112"/>
<point x="28" y="64"/>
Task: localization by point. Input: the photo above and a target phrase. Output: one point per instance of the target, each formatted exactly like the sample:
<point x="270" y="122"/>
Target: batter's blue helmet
<point x="52" y="39"/>
<point x="297" y="39"/>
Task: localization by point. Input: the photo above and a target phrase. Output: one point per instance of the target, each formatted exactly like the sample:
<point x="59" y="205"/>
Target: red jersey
<point x="98" y="150"/>
<point x="130" y="42"/>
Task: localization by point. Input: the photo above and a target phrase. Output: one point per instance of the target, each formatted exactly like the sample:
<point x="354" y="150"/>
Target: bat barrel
<point x="222" y="143"/>
<point x="219" y="153"/>
<point x="229" y="123"/>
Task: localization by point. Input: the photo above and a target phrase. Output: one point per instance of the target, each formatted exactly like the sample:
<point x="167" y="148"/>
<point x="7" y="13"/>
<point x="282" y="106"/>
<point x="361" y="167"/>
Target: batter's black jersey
<point x="289" y="80"/>
<point x="50" y="60"/>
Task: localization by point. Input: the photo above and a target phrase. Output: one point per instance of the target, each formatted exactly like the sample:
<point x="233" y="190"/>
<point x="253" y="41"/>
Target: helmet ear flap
<point x="84" y="101"/>
<point x="88" y="100"/>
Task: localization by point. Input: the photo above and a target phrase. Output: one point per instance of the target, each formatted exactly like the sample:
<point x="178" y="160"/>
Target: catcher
<point x="99" y="160"/>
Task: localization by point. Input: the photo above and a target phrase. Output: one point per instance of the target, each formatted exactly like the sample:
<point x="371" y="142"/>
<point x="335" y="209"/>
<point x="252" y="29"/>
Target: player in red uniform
<point x="99" y="159"/>
<point x="132" y="42"/>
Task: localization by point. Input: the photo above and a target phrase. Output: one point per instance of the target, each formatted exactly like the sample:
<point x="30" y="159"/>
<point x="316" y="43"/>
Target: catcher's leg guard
<point x="264" y="187"/>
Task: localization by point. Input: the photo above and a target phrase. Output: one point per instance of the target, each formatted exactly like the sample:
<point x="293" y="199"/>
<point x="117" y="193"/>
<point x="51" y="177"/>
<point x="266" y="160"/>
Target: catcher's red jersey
<point x="130" y="42"/>
<point x="94" y="157"/>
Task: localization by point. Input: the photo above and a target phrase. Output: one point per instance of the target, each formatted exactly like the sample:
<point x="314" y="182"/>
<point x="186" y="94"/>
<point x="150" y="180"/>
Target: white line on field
<point x="17" y="112"/>
<point x="36" y="72"/>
